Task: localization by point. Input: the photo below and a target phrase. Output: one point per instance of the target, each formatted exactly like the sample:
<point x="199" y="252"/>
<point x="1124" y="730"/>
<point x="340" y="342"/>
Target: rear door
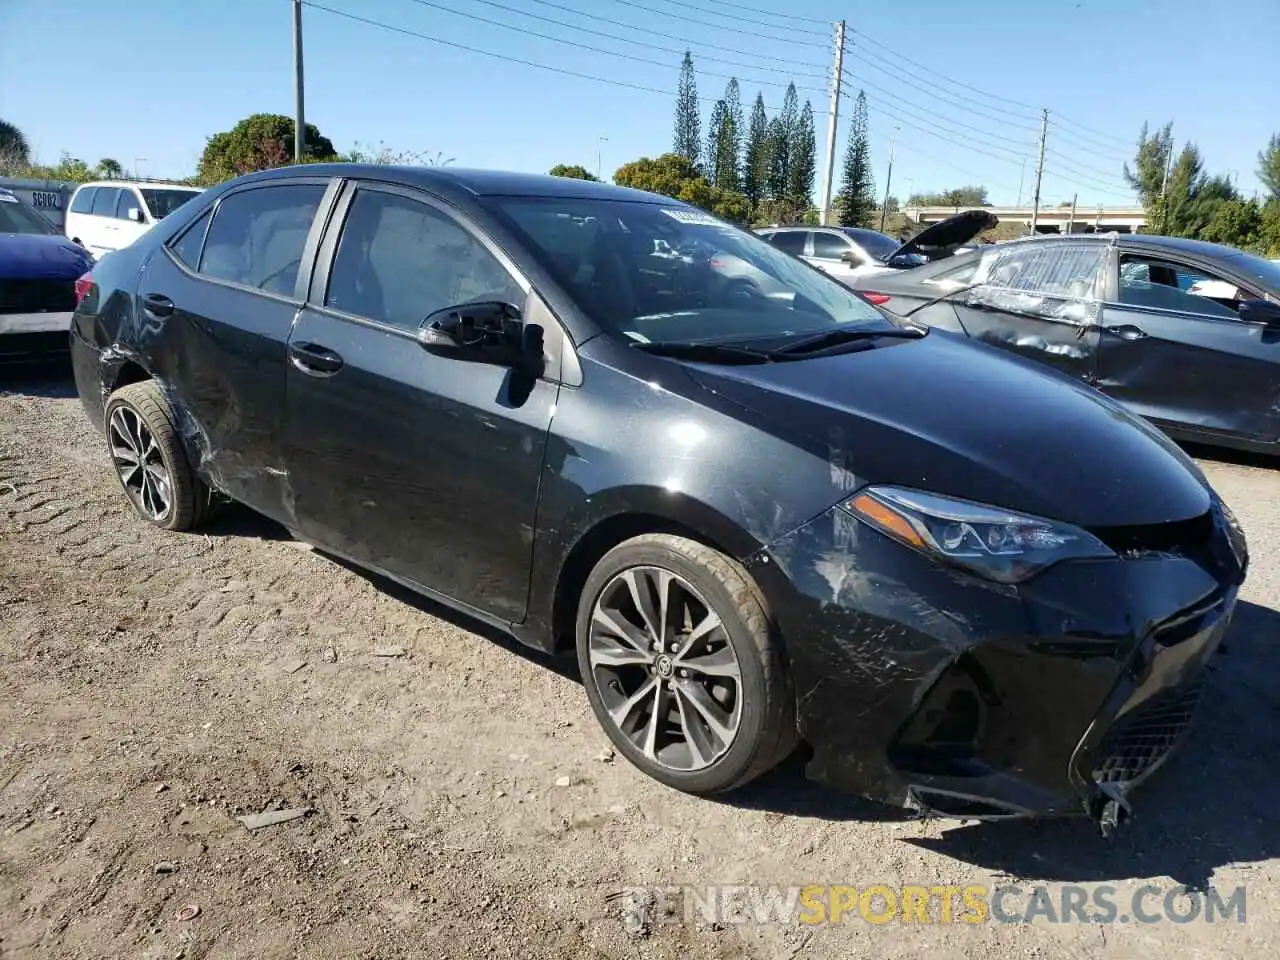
<point x="829" y="251"/>
<point x="1039" y="299"/>
<point x="216" y="304"/>
<point x="420" y="464"/>
<point x="1175" y="350"/>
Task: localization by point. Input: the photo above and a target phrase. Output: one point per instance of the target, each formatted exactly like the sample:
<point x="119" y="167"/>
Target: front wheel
<point x="681" y="665"/>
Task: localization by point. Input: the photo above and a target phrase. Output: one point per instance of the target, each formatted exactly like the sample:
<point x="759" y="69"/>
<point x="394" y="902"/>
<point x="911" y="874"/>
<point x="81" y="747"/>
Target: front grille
<point x="37" y="296"/>
<point x="1184" y="537"/>
<point x="1144" y="736"/>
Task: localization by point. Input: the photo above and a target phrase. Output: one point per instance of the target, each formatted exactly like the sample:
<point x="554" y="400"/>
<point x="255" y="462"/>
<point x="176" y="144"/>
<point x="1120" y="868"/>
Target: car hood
<point x="940" y="239"/>
<point x="952" y="417"/>
<point x="34" y="256"/>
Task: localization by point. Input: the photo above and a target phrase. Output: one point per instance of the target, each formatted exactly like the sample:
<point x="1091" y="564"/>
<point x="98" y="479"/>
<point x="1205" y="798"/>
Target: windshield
<point x="17" y="217"/>
<point x="1268" y="271"/>
<point x="667" y="274"/>
<point x="161" y="203"/>
<point x="876" y="244"/>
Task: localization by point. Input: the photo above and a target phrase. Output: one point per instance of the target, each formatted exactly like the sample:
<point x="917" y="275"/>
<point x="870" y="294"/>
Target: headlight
<point x="998" y="544"/>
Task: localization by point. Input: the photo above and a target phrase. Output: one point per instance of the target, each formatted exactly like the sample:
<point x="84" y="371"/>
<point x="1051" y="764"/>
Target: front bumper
<point x="923" y="686"/>
<point x="26" y="337"/>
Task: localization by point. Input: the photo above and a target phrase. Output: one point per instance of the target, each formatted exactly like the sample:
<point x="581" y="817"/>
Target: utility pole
<point x="1072" y="221"/>
<point x="600" y="142"/>
<point x="884" y="211"/>
<point x="833" y="118"/>
<point x="299" y="124"/>
<point x="1035" y="206"/>
<point x="1022" y="172"/>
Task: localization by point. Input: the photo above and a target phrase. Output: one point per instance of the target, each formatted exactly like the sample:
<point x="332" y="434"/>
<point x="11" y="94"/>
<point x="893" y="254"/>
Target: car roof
<point x="162" y="184"/>
<point x="477" y="183"/>
<point x="1148" y="241"/>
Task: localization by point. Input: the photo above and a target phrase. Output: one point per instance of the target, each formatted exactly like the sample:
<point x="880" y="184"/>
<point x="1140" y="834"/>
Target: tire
<point x="705" y="581"/>
<point x="188" y="499"/>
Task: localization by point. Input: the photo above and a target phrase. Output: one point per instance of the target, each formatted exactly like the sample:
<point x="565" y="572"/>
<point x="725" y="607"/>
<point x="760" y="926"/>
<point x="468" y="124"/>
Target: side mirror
<point x="850" y="257"/>
<point x="488" y="331"/>
<point x="1261" y="311"/>
<point x="134" y="214"/>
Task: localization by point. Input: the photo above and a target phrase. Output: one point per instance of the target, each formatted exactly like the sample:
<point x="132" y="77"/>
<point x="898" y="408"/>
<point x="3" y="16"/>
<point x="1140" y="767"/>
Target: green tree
<point x="738" y="130"/>
<point x="717" y="131"/>
<point x="755" y="162"/>
<point x="109" y="169"/>
<point x="258" y="142"/>
<point x="857" y="202"/>
<point x="724" y="140"/>
<point x="573" y="171"/>
<point x="1269" y="167"/>
<point x="967" y="196"/>
<point x="1237" y="223"/>
<point x="782" y="137"/>
<point x="15" y="152"/>
<point x="1146" y="177"/>
<point x="1269" y="229"/>
<point x="674" y="176"/>
<point x="688" y="132"/>
<point x="804" y="160"/>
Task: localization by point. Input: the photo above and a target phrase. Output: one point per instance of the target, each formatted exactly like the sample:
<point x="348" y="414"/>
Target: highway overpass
<point x="1052" y="219"/>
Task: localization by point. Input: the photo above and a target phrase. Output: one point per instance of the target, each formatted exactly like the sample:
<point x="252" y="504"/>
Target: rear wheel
<point x="681" y="666"/>
<point x="149" y="460"/>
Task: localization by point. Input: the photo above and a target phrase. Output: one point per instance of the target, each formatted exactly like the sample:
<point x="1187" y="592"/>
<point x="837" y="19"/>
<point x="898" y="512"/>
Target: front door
<point x="1040" y="300"/>
<point x="414" y="462"/>
<point x="1175" y="350"/>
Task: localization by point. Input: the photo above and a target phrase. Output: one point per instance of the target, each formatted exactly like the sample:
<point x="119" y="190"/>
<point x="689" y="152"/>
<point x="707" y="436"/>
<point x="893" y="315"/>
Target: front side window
<point x="722" y="283"/>
<point x="1159" y="284"/>
<point x="257" y="236"/>
<point x="400" y="260"/>
<point x="128" y="201"/>
<point x="828" y="246"/>
<point x="790" y="241"/>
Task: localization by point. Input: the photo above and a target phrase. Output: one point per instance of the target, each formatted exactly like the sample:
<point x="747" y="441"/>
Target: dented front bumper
<point x="924" y="686"/>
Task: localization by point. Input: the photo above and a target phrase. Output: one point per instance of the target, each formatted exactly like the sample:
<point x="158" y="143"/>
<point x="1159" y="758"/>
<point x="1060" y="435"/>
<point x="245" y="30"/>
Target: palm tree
<point x="110" y="169"/>
<point x="15" y="152"/>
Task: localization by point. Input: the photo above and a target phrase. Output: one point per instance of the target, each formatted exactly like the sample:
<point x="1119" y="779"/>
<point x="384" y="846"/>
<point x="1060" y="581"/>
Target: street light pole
<point x="884" y="211"/>
<point x="299" y="123"/>
<point x="600" y="142"/>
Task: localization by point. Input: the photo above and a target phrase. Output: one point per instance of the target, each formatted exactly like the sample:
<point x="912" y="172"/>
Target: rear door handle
<point x="314" y="360"/>
<point x="158" y="305"/>
<point x="1127" y="331"/>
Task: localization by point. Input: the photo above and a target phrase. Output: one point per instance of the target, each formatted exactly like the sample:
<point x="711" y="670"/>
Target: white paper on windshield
<point x="696" y="217"/>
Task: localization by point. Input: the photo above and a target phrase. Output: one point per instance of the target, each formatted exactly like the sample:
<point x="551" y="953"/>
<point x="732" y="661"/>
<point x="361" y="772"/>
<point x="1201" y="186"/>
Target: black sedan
<point x="1185" y="333"/>
<point x="970" y="587"/>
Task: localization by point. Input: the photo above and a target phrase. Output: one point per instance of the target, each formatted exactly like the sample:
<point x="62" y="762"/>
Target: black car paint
<point x="1200" y="377"/>
<point x="496" y="496"/>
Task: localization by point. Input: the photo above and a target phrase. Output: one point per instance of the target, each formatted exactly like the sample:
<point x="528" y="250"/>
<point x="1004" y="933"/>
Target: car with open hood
<point x="850" y="252"/>
<point x="968" y="585"/>
<point x="39" y="269"/>
<point x="1184" y="333"/>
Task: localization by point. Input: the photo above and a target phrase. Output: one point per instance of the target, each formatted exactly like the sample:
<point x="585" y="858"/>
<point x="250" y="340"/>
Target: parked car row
<point x="759" y="509"/>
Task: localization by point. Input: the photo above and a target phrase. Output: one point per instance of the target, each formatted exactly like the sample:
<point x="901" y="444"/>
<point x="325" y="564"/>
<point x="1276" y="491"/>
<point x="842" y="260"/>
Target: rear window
<point x="83" y="200"/>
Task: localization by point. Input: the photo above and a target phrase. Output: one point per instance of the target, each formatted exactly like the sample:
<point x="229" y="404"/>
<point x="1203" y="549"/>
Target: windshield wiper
<point x="837" y="338"/>
<point x="708" y="352"/>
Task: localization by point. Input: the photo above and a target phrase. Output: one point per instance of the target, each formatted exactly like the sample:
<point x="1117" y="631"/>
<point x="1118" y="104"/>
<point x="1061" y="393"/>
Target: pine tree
<point x="781" y="136"/>
<point x="755" y="164"/>
<point x="733" y="149"/>
<point x="688" y="133"/>
<point x="857" y="203"/>
<point x="804" y="162"/>
<point x="717" y="131"/>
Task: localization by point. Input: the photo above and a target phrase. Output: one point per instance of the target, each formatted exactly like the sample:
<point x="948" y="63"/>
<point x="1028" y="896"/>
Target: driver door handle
<point x="158" y="305"/>
<point x="314" y="360"/>
<point x="1127" y="331"/>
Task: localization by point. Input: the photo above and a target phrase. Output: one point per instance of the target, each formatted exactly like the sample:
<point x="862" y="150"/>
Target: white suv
<point x="107" y="215"/>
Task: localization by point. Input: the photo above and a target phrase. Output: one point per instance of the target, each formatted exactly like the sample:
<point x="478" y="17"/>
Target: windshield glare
<point x="17" y="217"/>
<point x="668" y="274"/>
<point x="161" y="203"/>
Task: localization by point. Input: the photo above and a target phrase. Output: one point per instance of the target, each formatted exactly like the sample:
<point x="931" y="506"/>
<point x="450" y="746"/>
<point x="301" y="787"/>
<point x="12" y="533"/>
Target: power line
<point x="489" y="53"/>
<point x="950" y="166"/>
<point x="678" y="39"/>
<point x="586" y="46"/>
<point x="780" y="16"/>
<point x="738" y="18"/>
<point x="1083" y="168"/>
<point x="720" y="26"/>
<point x="1128" y="145"/>
<point x="675" y="51"/>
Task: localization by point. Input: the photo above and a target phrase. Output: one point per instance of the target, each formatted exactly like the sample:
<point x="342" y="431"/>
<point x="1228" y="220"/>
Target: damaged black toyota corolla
<point x="762" y="513"/>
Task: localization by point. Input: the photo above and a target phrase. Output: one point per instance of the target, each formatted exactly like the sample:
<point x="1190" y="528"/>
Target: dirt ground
<point x="155" y="686"/>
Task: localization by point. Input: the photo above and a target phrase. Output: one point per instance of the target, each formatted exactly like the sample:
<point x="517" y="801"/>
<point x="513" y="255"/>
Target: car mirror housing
<point x="134" y="214"/>
<point x="1261" y="311"/>
<point x="487" y="331"/>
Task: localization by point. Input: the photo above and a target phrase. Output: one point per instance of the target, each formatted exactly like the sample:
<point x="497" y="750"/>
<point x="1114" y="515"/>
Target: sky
<point x="958" y="86"/>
